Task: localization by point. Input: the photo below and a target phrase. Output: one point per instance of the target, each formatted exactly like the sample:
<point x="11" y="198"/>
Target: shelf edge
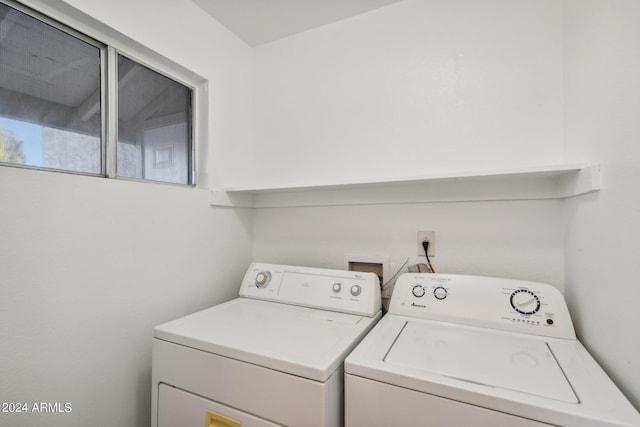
<point x="548" y="182"/>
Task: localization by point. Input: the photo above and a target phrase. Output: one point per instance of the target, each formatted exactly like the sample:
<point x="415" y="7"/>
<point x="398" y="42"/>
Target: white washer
<point x="273" y="356"/>
<point x="464" y="350"/>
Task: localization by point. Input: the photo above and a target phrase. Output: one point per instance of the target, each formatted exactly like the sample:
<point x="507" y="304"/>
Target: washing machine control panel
<point x="337" y="290"/>
<point x="505" y="304"/>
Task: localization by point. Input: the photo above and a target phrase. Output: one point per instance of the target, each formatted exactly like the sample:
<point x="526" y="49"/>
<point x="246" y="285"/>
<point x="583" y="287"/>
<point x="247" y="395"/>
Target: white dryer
<point x="477" y="351"/>
<point x="273" y="356"/>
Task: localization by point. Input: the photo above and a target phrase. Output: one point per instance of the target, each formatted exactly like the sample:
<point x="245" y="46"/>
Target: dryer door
<point x="178" y="408"/>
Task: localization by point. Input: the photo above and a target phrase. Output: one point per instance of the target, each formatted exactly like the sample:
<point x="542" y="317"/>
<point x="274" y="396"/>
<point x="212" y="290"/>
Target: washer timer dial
<point x="262" y="279"/>
<point x="525" y="302"/>
<point x="440" y="293"/>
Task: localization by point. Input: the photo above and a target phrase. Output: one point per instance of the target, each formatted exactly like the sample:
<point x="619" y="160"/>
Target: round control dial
<point x="356" y="290"/>
<point x="418" y="291"/>
<point x="337" y="287"/>
<point x="440" y="293"/>
<point x="262" y="279"/>
<point x="525" y="301"/>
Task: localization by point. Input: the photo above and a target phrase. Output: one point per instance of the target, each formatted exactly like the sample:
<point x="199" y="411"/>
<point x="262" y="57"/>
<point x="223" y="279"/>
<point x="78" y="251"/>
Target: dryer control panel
<point x="337" y="290"/>
<point x="510" y="305"/>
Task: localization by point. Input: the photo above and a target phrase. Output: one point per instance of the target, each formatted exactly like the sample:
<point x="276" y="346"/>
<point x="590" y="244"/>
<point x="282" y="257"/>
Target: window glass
<point x="154" y="125"/>
<point x="50" y="113"/>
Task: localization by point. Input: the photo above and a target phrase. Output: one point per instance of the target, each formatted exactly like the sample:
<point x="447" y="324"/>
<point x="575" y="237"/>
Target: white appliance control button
<point x="337" y="287"/>
<point x="418" y="291"/>
<point x="262" y="279"/>
<point x="440" y="293"/>
<point x="355" y="290"/>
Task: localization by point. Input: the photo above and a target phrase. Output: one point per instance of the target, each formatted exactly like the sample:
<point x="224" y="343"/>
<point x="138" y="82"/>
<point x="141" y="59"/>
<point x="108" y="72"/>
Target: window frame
<point x="109" y="101"/>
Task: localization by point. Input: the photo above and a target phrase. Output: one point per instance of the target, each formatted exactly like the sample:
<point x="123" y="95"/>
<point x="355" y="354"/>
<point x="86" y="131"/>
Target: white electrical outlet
<point x="429" y="236"/>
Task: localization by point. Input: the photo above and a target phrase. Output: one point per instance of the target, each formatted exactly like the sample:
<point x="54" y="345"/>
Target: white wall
<point x="520" y="240"/>
<point x="89" y="265"/>
<point x="602" y="95"/>
<point x="412" y="88"/>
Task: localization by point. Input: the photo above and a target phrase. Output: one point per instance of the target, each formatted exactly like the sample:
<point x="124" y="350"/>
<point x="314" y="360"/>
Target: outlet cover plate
<point x="429" y="236"/>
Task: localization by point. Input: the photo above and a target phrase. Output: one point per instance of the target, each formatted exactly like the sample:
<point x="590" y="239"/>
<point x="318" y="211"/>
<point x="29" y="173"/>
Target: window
<point x="153" y="125"/>
<point x="49" y="96"/>
<point x="53" y="112"/>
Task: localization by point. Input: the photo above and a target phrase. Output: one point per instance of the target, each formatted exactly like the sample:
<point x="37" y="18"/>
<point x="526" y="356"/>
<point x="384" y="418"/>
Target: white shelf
<point x="545" y="182"/>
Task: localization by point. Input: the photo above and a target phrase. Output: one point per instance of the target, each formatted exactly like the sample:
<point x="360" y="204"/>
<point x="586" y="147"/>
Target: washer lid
<point x="302" y="341"/>
<point x="477" y="356"/>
